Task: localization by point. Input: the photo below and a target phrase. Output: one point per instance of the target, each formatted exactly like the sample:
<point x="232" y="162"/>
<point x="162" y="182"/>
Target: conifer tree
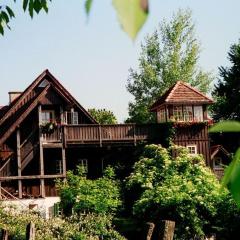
<point x="227" y="91"/>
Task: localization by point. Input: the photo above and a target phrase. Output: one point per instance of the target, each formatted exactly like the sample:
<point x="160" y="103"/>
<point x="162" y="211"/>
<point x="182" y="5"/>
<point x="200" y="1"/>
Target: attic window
<point x="43" y="84"/>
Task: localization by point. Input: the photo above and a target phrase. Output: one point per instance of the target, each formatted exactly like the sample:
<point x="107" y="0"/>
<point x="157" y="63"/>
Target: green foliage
<point x="227" y="91"/>
<point x="179" y="188"/>
<point x="79" y="194"/>
<point x="89" y="226"/>
<point x="231" y="178"/>
<point x="103" y="116"/>
<point x="170" y="54"/>
<point x="132" y="15"/>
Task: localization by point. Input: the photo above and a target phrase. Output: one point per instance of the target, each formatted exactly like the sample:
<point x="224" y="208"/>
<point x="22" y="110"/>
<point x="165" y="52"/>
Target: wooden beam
<point x="19" y="163"/>
<point x="41" y="157"/>
<point x="0" y="190"/>
<point x="23" y="116"/>
<point x="64" y="169"/>
<point x="32" y="177"/>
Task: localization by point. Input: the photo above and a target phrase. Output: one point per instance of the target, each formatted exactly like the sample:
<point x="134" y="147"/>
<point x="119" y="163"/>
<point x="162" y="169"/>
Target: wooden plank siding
<point x="196" y="135"/>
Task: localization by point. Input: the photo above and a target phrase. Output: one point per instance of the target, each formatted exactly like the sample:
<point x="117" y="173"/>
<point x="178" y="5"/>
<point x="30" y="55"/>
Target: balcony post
<point x="19" y="163"/>
<point x="41" y="160"/>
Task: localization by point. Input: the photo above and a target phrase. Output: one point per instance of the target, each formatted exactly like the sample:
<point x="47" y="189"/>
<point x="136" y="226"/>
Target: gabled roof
<point x="218" y="148"/>
<point x="181" y="93"/>
<point x="11" y="116"/>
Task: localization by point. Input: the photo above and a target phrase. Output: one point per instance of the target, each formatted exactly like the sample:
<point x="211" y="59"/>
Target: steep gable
<point x="11" y="116"/>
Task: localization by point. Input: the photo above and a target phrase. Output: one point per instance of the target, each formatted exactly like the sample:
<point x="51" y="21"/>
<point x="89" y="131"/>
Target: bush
<point x="83" y="227"/>
<point x="177" y="188"/>
<point x="79" y="194"/>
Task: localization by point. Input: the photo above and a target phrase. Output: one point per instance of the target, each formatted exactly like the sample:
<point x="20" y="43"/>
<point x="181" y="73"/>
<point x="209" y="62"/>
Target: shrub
<point x="83" y="227"/>
<point x="178" y="188"/>
<point x="100" y="196"/>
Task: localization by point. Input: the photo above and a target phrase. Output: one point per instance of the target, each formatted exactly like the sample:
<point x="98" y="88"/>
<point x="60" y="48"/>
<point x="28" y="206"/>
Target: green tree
<point x="170" y="54"/>
<point x="79" y="194"/>
<point x="103" y="116"/>
<point x="226" y="92"/>
<point x="179" y="188"/>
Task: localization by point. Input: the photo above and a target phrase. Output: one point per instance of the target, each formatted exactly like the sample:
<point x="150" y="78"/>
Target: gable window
<point x="188" y="113"/>
<point x="177" y="113"/>
<point x="47" y="116"/>
<point x="43" y="84"/>
<point x="192" y="149"/>
<point x="161" y="115"/>
<point x="198" y="113"/>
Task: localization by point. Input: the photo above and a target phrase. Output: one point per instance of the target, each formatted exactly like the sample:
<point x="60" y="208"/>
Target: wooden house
<point x="44" y="132"/>
<point x="187" y="108"/>
<point x="220" y="158"/>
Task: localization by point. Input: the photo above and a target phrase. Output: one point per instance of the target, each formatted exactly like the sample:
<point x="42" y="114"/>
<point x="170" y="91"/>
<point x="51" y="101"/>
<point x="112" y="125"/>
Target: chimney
<point x="13" y="96"/>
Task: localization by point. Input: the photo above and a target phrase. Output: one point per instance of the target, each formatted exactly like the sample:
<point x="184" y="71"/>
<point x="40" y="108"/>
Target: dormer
<point x="181" y="103"/>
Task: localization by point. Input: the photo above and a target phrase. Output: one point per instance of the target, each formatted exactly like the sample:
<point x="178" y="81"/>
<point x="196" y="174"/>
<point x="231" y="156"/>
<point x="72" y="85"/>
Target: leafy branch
<point x="131" y="14"/>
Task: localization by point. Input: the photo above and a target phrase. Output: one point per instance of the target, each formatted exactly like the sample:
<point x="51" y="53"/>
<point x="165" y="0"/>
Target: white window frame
<point x="74" y="118"/>
<point x="161" y="115"/>
<point x="188" y="113"/>
<point x="71" y="118"/>
<point x="45" y="120"/>
<point x="192" y="148"/>
<point x="178" y="113"/>
<point x="198" y="110"/>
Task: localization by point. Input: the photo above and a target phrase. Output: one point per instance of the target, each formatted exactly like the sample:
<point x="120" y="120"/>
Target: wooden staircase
<point x="29" y="149"/>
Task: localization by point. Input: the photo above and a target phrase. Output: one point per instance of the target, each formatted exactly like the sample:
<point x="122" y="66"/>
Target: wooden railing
<point x="107" y="133"/>
<point x="55" y="136"/>
<point x="95" y="133"/>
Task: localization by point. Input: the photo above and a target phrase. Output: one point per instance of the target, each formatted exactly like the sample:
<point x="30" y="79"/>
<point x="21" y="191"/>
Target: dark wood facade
<point x="44" y="132"/>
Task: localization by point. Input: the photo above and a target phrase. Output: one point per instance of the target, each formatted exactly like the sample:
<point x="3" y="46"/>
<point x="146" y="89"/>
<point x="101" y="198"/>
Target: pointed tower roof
<point x="181" y="93"/>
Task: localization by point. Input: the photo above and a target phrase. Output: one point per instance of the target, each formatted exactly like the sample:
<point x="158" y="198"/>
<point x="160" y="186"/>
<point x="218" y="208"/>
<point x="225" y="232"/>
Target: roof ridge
<point x="172" y="91"/>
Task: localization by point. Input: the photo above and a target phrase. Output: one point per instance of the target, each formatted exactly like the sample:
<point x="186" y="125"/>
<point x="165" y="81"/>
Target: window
<point x="74" y="117"/>
<point x="217" y="162"/>
<point x="47" y="116"/>
<point x="83" y="163"/>
<point x="177" y="113"/>
<point x="198" y="113"/>
<point x="43" y="84"/>
<point x="161" y="115"/>
<point x="192" y="149"/>
<point x="71" y="118"/>
<point x="188" y="113"/>
<point x="59" y="168"/>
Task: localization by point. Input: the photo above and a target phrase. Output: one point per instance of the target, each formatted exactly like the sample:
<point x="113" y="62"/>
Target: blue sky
<point x="91" y="57"/>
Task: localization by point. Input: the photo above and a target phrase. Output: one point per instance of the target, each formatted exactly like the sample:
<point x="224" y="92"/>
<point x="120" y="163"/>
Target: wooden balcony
<point x="101" y="134"/>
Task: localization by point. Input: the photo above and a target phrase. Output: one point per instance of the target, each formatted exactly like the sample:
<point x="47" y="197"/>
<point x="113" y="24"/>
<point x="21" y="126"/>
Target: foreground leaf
<point x="226" y="126"/>
<point x="132" y="15"/>
<point x="88" y="5"/>
<point x="231" y="178"/>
